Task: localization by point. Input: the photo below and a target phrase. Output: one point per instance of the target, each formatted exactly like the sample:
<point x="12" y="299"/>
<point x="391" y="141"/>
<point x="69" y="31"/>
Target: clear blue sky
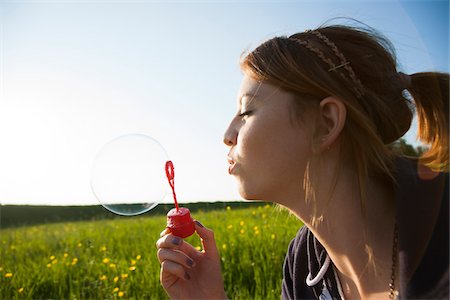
<point x="76" y="74"/>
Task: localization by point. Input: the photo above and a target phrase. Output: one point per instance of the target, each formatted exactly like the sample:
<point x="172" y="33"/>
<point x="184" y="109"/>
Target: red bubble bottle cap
<point x="179" y="220"/>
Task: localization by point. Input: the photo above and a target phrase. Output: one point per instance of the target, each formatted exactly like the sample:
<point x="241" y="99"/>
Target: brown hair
<point x="319" y="63"/>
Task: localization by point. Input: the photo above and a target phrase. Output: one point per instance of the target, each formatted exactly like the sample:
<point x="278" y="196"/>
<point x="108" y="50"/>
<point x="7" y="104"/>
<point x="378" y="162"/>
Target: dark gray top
<point x="423" y="232"/>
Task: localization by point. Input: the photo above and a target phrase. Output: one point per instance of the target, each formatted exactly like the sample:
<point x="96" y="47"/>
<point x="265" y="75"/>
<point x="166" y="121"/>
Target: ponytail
<point x="430" y="91"/>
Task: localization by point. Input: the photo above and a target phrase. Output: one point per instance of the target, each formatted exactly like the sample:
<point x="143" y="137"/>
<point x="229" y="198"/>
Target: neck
<point x="359" y="244"/>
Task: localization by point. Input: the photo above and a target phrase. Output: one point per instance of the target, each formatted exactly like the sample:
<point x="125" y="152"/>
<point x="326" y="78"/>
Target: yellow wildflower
<point x="228" y="208"/>
<point x="49" y="265"/>
<point x="116" y="290"/>
<point x="55" y="261"/>
<point x="264" y="216"/>
<point x="133" y="262"/>
<point x="20" y="290"/>
<point x="229" y="226"/>
<point x="124" y="276"/>
<point x="79" y="245"/>
<point x="74" y="261"/>
<point x="256" y="232"/>
<point x="132" y="268"/>
<point x="106" y="260"/>
<point x="121" y="294"/>
<point x="242" y="223"/>
<point x="242" y="231"/>
<point x="255" y="228"/>
<point x="198" y="248"/>
<point x="267" y="206"/>
<point x="138" y="257"/>
<point x="65" y="255"/>
<point x="116" y="279"/>
<point x="253" y="212"/>
<point x="103" y="248"/>
<point x="1" y="269"/>
<point x="103" y="277"/>
<point x="112" y="265"/>
<point x="224" y="246"/>
<point x="8" y="275"/>
<point x="273" y="236"/>
<point x="52" y="257"/>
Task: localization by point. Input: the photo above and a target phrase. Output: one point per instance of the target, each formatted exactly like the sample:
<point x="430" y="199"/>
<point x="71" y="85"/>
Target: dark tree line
<point x="402" y="147"/>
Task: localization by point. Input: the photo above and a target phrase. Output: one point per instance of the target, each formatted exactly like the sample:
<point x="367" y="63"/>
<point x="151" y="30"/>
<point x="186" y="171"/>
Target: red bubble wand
<point x="179" y="220"/>
<point x="170" y="173"/>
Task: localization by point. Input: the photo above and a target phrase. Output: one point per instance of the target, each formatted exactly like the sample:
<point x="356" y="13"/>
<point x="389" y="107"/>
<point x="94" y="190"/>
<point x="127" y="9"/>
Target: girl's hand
<point x="187" y="273"/>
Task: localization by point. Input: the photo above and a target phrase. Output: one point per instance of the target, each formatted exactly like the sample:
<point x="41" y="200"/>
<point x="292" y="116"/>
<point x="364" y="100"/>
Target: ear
<point x="333" y="114"/>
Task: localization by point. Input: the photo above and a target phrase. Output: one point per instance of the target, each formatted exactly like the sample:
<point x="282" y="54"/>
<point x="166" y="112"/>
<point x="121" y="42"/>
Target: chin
<point x="249" y="198"/>
<point x="252" y="194"/>
<point x="247" y="194"/>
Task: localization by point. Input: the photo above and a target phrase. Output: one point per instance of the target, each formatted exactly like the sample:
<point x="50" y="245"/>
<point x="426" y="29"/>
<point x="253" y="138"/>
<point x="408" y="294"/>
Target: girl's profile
<point x="317" y="114"/>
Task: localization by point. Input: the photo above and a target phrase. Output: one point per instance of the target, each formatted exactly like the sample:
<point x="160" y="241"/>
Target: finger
<point x="207" y="237"/>
<point x="173" y="242"/>
<point x="169" y="241"/>
<point x="164" y="232"/>
<point x="175" y="269"/>
<point x="175" y="256"/>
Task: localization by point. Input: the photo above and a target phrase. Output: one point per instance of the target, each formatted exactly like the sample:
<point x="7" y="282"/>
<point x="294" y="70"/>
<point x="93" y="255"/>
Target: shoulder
<point x="299" y="240"/>
<point x="295" y="268"/>
<point x="422" y="197"/>
<point x="296" y="250"/>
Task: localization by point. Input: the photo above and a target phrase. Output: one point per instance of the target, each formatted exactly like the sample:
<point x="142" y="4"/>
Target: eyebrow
<point x="249" y="95"/>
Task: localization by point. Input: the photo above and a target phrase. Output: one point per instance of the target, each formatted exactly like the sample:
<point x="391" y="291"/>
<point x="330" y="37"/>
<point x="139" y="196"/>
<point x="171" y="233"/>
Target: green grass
<point x="116" y="259"/>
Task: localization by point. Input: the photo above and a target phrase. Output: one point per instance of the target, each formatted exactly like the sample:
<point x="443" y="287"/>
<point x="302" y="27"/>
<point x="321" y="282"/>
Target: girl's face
<point x="269" y="148"/>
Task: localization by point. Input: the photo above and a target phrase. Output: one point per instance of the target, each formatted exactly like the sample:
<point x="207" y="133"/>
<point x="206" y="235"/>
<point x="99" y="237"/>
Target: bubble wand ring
<point x="179" y="220"/>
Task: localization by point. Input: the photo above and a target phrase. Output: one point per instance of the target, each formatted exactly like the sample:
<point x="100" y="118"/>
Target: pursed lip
<point x="232" y="164"/>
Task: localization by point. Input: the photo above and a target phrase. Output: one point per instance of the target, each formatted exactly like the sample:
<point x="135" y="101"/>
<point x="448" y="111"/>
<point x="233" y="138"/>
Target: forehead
<point x="262" y="90"/>
<point x="252" y="86"/>
<point x="249" y="85"/>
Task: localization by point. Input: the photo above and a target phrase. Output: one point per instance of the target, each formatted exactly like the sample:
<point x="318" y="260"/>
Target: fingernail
<point x="199" y="224"/>
<point x="190" y="262"/>
<point x="176" y="240"/>
<point x="186" y="275"/>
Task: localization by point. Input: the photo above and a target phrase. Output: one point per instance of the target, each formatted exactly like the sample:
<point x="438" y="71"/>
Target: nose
<point x="230" y="136"/>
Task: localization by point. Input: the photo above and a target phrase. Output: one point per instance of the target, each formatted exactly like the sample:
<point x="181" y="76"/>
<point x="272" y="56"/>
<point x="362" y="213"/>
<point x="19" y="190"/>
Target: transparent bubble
<point x="128" y="175"/>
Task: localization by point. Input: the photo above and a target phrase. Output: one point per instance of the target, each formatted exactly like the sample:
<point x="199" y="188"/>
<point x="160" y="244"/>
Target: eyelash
<point x="245" y="113"/>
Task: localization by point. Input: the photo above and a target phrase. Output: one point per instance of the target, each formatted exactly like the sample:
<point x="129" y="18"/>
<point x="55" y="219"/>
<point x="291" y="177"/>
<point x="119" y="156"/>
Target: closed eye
<point x="245" y="113"/>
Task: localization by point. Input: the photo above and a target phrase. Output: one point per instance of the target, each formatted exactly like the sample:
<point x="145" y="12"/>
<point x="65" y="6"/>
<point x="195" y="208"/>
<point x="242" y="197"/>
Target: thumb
<point x="207" y="237"/>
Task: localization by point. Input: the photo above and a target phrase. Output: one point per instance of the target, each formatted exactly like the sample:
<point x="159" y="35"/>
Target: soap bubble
<point x="128" y="174"/>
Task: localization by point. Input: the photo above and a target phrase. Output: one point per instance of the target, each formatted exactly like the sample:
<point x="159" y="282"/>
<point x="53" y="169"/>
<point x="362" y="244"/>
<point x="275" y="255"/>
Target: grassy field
<point x="116" y="259"/>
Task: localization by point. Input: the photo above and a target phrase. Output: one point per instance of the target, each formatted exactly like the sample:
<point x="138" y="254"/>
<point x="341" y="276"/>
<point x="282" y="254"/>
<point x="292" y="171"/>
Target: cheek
<point x="274" y="141"/>
<point x="273" y="158"/>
